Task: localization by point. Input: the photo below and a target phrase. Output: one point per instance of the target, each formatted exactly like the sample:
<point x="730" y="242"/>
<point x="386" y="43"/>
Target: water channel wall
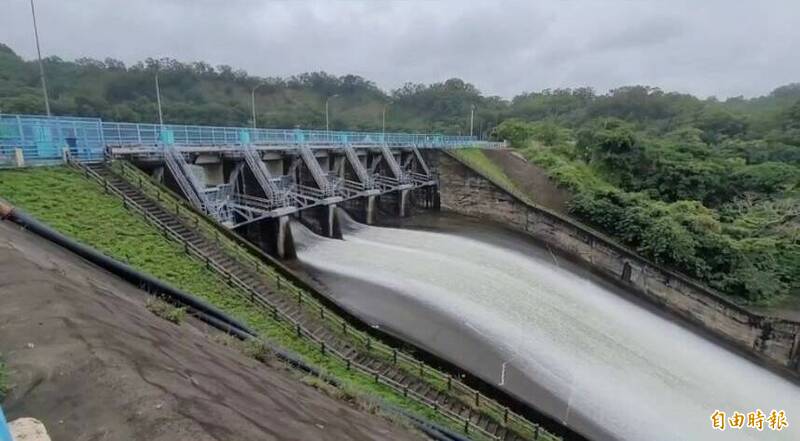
<point x="466" y="191"/>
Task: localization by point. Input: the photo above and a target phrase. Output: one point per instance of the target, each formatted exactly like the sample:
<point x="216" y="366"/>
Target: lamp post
<point x="471" y="118"/>
<point x="253" y="102"/>
<point x="41" y="65"/>
<point x="158" y="100"/>
<point x="327" y="120"/>
<point x="383" y="119"/>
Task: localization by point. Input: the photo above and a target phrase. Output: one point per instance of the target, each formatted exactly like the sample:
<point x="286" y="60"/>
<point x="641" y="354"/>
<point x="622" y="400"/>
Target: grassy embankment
<point x="476" y="159"/>
<point x="77" y="207"/>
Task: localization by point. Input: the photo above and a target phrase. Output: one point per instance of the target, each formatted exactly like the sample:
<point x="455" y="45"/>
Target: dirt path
<point x="88" y="360"/>
<point x="531" y="179"/>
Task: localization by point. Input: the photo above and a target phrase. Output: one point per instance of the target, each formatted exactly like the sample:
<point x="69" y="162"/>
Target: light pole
<point x="471" y="118"/>
<point x="41" y="65"/>
<point x="383" y="119"/>
<point x="253" y="102"/>
<point x="327" y="120"/>
<point x="158" y="99"/>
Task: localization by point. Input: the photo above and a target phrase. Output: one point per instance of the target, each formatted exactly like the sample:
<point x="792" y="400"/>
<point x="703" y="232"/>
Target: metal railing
<point x="445" y="382"/>
<point x="358" y="167"/>
<point x="397" y="171"/>
<point x="42" y="139"/>
<point x="284" y="320"/>
<point x="261" y="173"/>
<point x="320" y="177"/>
<point x="132" y="134"/>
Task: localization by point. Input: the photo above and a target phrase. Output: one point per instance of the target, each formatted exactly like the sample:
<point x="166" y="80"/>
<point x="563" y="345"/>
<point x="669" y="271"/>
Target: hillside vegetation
<point x="198" y="93"/>
<point x="709" y="188"/>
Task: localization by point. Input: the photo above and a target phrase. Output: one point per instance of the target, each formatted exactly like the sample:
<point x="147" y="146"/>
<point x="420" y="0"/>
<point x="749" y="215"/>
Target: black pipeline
<point x="204" y="311"/>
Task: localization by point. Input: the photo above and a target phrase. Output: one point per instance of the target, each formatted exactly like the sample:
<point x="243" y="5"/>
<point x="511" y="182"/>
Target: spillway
<point x="550" y="334"/>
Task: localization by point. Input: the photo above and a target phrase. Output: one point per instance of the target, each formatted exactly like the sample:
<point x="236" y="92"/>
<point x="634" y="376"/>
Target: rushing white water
<point x="616" y="363"/>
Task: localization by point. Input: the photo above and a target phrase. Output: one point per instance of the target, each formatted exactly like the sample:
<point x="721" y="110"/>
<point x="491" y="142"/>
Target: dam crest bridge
<point x="239" y="175"/>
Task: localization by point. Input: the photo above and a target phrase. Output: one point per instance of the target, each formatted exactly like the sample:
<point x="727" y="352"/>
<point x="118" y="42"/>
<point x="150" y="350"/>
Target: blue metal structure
<point x="42" y="139"/>
<point x="4" y="433"/>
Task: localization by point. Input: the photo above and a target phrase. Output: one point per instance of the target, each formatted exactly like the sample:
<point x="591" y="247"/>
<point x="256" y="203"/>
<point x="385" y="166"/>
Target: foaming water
<point x="615" y="363"/>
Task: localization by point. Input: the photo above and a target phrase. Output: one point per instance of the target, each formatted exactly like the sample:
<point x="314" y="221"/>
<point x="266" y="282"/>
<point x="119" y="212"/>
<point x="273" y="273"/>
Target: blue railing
<point x="42" y="140"/>
<point x="131" y="134"/>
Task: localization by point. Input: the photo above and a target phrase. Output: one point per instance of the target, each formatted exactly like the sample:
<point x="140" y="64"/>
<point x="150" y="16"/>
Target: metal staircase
<point x="455" y="400"/>
<point x="421" y="161"/>
<point x="397" y="171"/>
<point x="361" y="171"/>
<point x="320" y="177"/>
<point x="212" y="201"/>
<point x="276" y="197"/>
<point x="192" y="189"/>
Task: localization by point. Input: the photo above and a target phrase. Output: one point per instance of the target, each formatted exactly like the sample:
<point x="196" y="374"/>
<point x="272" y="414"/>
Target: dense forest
<point x="709" y="187"/>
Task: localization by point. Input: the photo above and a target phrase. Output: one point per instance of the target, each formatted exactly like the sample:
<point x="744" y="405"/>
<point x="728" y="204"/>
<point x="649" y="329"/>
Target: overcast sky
<point x="706" y="47"/>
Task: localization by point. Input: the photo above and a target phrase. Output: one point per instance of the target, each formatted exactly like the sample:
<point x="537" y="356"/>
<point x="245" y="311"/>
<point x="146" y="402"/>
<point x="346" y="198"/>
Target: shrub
<point x="4" y="379"/>
<point x="165" y="310"/>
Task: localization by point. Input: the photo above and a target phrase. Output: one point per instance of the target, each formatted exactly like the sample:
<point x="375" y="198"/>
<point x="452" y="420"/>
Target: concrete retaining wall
<point x="776" y="341"/>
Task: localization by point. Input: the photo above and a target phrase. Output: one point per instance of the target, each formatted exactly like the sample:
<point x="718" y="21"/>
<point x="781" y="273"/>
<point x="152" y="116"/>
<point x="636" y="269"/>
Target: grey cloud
<point x="709" y="47"/>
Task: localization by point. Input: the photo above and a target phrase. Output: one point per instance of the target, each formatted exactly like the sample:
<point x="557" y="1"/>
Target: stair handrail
<point x="261" y="173"/>
<point x="412" y="363"/>
<point x="255" y="297"/>
<point x="313" y="166"/>
<point x="358" y="167"/>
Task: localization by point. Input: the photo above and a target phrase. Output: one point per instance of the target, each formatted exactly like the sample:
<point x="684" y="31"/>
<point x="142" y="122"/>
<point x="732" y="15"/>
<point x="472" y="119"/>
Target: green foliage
<point x="165" y="310"/>
<point x="515" y="131"/>
<point x="478" y="160"/>
<point x="708" y="188"/>
<point x="75" y="206"/>
<point x="4" y="380"/>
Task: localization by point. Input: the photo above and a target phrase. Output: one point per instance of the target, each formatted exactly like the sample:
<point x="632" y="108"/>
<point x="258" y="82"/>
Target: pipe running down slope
<point x="200" y="309"/>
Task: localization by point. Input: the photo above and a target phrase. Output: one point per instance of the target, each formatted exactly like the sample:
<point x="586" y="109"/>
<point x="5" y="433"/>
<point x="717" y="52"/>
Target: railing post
<point x="449" y="382"/>
<point x="299" y="333"/>
<point x="394" y="356"/>
<point x="477" y="399"/>
<point x="19" y="158"/>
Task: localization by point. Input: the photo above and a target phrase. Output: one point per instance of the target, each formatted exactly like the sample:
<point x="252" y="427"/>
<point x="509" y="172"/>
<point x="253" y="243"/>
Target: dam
<point x="510" y="306"/>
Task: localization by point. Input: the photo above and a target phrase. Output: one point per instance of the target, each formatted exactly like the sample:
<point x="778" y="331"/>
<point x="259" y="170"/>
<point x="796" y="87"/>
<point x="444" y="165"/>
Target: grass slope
<point x="68" y="202"/>
<point x="476" y="159"/>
